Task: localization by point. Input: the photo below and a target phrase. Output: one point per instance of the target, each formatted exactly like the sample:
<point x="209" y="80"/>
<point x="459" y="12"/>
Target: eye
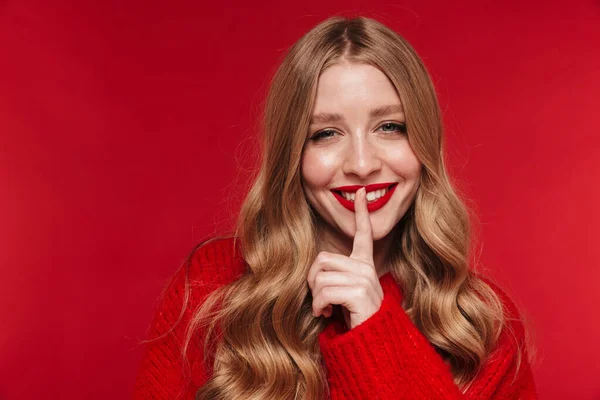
<point x="393" y="127"/>
<point x="325" y="134"/>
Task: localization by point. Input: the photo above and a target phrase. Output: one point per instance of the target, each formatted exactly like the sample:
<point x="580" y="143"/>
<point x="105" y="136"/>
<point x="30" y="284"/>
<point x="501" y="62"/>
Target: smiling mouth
<point x="376" y="199"/>
<point x="372" y="196"/>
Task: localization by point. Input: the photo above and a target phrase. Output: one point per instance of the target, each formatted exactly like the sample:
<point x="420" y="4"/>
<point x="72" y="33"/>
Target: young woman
<point x="349" y="275"/>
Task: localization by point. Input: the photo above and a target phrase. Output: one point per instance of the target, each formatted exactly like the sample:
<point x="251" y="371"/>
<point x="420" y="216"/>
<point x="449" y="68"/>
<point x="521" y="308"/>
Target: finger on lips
<point x="363" y="237"/>
<point x="336" y="272"/>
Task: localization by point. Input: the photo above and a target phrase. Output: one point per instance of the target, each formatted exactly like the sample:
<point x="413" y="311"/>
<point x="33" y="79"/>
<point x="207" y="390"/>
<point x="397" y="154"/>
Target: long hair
<point x="267" y="345"/>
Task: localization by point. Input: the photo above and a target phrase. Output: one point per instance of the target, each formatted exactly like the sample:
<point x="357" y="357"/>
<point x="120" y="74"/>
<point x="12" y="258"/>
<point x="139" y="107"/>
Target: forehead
<point x="353" y="87"/>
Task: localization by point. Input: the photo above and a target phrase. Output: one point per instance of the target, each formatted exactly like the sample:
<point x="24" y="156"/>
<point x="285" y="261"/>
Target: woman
<point x="326" y="291"/>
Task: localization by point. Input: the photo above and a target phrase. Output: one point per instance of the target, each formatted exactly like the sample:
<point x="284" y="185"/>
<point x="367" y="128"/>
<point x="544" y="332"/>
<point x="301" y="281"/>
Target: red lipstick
<point x="372" y="206"/>
<point x="370" y="188"/>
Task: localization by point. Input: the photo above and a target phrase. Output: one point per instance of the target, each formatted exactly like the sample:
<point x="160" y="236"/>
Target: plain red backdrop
<point x="127" y="133"/>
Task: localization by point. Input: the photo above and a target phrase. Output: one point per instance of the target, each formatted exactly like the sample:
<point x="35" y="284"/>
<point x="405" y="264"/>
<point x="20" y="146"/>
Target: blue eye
<point x="399" y="127"/>
<point x="328" y="134"/>
<point x="322" y="135"/>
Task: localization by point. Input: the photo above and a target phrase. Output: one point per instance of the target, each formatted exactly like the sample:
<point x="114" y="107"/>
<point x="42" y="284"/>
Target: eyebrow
<point x="325" y="118"/>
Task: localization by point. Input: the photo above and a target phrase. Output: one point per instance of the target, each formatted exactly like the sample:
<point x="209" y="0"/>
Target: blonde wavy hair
<point x="267" y="345"/>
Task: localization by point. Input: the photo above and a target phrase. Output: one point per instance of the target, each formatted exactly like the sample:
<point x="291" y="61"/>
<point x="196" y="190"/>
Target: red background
<point x="126" y="129"/>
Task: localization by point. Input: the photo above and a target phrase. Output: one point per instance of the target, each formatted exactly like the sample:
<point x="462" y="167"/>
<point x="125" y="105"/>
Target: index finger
<point x="362" y="248"/>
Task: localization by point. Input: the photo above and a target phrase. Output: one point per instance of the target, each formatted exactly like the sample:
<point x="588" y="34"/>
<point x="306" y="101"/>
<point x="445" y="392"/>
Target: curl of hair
<point x="279" y="357"/>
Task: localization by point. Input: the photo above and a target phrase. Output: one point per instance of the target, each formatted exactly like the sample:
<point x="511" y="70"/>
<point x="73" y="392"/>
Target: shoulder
<point x="514" y="327"/>
<point x="214" y="262"/>
<point x="509" y="305"/>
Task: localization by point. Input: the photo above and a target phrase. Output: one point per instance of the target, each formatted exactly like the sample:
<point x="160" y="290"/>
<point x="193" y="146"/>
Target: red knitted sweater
<point x="385" y="357"/>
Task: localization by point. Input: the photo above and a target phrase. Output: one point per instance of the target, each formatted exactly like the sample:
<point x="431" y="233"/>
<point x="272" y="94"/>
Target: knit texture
<point x="385" y="357"/>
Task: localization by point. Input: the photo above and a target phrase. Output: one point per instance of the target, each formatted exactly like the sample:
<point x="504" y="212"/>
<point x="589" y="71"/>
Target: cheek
<point x="318" y="169"/>
<point x="404" y="162"/>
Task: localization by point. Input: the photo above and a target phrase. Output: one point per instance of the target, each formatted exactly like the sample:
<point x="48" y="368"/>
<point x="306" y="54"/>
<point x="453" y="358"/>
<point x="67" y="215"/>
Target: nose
<point x="361" y="158"/>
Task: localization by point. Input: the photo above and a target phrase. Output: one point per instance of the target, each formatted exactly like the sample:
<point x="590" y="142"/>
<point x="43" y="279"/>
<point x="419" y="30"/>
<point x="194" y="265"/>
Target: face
<point x="357" y="137"/>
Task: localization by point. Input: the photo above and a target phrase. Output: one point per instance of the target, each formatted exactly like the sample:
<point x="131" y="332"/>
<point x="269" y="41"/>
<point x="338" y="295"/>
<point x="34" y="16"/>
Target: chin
<point x="382" y="225"/>
<point x="379" y="234"/>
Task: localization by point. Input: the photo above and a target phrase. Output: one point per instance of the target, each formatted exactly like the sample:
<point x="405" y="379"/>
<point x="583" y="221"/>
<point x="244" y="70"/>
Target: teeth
<point x="371" y="196"/>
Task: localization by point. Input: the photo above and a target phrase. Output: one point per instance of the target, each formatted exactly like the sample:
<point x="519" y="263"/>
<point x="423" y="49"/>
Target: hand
<point x="351" y="282"/>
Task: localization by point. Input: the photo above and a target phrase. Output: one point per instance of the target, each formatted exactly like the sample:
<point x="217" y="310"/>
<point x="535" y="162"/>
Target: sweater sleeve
<point x="387" y="357"/>
<point x="163" y="372"/>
